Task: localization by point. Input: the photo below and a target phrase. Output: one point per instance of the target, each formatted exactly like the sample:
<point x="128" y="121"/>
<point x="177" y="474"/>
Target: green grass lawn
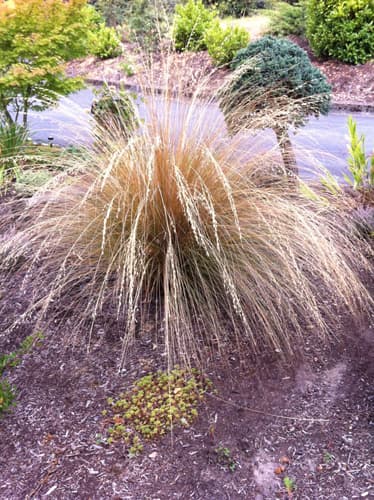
<point x="256" y="24"/>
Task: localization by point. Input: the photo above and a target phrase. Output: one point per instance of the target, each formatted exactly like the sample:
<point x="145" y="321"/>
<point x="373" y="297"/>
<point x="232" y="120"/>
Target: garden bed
<point x="266" y="422"/>
<point x="353" y="86"/>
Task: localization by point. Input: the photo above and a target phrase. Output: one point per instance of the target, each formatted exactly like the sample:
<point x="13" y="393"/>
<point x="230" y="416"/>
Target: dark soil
<point x="311" y="421"/>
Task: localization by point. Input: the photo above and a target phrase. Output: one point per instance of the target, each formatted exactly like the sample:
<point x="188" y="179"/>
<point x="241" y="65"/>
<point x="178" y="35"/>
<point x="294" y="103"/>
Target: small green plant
<point x="15" y="357"/>
<point x="290" y="485"/>
<point x="105" y="43"/>
<point x="360" y="167"/>
<point x="158" y="402"/>
<point x="7" y="392"/>
<point x="224" y="43"/>
<point x="224" y="458"/>
<point x="7" y="396"/>
<point x="328" y="457"/>
<point x="127" y="68"/>
<point x="191" y="22"/>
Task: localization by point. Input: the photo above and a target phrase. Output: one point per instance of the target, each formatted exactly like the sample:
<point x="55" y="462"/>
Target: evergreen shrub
<point x="342" y="29"/>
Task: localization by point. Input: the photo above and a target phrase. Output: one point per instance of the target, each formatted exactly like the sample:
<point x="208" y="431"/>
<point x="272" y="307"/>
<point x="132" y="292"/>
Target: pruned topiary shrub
<point x="342" y="29"/>
<point x="274" y="85"/>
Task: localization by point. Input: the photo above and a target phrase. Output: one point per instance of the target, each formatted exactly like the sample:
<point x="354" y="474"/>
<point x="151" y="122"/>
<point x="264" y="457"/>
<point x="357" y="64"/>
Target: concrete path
<point x="322" y="140"/>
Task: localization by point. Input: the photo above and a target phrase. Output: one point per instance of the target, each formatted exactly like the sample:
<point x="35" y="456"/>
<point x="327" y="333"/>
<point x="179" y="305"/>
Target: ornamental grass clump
<point x="174" y="226"/>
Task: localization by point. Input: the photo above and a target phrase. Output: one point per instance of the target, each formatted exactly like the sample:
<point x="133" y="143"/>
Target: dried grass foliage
<point x="175" y="225"/>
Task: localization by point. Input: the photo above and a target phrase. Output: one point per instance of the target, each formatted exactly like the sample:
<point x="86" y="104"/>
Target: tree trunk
<point x="25" y="112"/>
<point x="288" y="154"/>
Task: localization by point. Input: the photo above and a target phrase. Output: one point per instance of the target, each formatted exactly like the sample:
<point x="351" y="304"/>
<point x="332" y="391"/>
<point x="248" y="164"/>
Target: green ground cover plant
<point x="157" y="403"/>
<point x="7" y="396"/>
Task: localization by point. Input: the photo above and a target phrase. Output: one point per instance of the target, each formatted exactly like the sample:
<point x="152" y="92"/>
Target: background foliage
<point x="36" y="38"/>
<point x="342" y="29"/>
<point x="289" y="19"/>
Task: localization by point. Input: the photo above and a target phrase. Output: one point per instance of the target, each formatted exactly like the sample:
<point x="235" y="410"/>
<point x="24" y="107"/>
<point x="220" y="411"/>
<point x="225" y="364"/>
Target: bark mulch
<point x="311" y="420"/>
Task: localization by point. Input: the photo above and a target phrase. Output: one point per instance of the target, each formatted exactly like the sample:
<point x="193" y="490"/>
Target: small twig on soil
<point x="45" y="478"/>
<point x="260" y="412"/>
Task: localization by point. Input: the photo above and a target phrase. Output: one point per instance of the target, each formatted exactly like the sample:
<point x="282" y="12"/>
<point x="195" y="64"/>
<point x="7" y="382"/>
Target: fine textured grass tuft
<point x="175" y="226"/>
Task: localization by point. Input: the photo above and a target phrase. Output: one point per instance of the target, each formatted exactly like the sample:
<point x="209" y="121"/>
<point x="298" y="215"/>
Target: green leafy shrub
<point x="105" y="43"/>
<point x="342" y="29"/>
<point x="191" y="22"/>
<point x="13" y="139"/>
<point x="289" y="19"/>
<point x="224" y="43"/>
<point x="157" y="403"/>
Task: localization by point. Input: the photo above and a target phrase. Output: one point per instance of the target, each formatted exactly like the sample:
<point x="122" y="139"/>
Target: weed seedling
<point x="290" y="485"/>
<point x="328" y="457"/>
<point x="225" y="458"/>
